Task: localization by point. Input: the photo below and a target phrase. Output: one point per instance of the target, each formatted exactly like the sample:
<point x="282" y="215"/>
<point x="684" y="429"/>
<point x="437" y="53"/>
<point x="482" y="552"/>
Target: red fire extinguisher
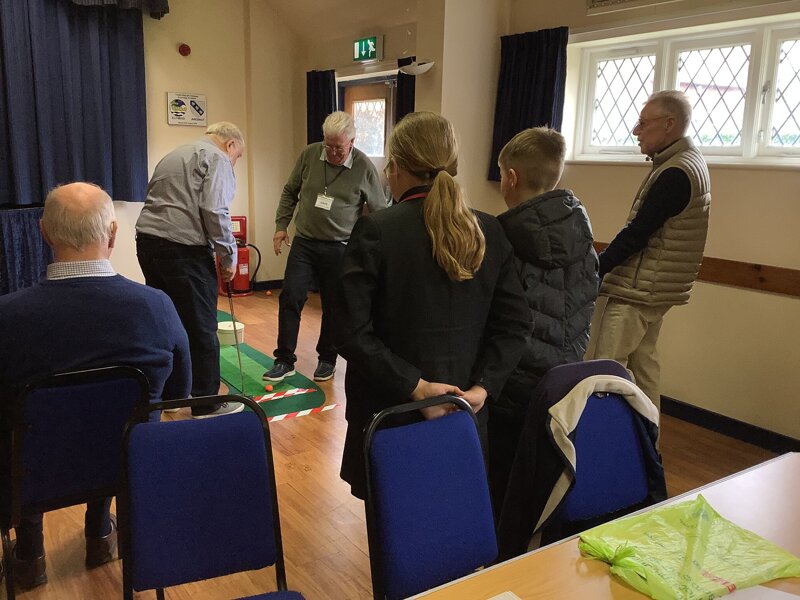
<point x="242" y="283"/>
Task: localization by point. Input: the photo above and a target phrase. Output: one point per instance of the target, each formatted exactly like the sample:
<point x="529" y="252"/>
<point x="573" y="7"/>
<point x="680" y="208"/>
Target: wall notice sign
<point x="186" y="109"/>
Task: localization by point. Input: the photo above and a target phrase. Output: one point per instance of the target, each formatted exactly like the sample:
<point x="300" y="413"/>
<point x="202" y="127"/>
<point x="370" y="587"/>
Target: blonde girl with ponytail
<point x="424" y="146"/>
<point x="429" y="300"/>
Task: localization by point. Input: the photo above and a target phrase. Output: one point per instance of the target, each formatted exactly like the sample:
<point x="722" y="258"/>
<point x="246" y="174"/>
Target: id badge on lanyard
<point x="324" y="201"/>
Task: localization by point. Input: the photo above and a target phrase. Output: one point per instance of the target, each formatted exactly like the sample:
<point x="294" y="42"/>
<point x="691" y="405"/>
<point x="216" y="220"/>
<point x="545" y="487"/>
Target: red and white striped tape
<point x="302" y="413"/>
<point x="284" y="394"/>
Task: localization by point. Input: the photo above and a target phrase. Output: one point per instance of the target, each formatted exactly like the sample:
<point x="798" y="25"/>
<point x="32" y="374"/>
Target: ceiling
<point x="325" y="20"/>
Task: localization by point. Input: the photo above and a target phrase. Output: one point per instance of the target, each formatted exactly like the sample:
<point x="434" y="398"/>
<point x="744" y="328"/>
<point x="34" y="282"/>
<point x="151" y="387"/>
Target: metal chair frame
<point x="123" y="505"/>
<point x="373" y="537"/>
<point x="19" y="428"/>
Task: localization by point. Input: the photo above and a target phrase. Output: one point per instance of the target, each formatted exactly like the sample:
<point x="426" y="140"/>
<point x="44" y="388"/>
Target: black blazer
<point x="401" y="318"/>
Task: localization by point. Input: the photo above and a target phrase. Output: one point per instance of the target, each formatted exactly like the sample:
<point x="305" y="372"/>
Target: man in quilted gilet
<point x="653" y="262"/>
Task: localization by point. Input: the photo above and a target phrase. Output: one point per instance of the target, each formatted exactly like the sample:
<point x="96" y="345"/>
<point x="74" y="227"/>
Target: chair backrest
<point x="200" y="498"/>
<point x="611" y="472"/>
<point x="67" y="437"/>
<point x="429" y="516"/>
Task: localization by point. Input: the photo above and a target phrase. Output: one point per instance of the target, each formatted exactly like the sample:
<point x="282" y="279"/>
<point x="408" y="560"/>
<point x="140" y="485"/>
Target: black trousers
<point x="309" y="261"/>
<point x="187" y="274"/>
<point x="30" y="532"/>
<point x="503" y="433"/>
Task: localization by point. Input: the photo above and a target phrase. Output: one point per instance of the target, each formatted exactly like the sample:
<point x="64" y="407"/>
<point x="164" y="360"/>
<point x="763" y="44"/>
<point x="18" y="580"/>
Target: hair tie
<point x="436" y="171"/>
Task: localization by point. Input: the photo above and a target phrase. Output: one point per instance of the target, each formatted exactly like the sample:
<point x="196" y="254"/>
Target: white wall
<point x="277" y="117"/>
<point x="239" y="60"/>
<point x="123" y="257"/>
<point x="216" y="68"/>
<point x="730" y="350"/>
<point x="530" y="15"/>
<point x="470" y="69"/>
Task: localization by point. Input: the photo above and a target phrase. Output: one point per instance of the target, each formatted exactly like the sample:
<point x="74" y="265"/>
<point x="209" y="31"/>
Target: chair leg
<point x="8" y="564"/>
<point x="160" y="593"/>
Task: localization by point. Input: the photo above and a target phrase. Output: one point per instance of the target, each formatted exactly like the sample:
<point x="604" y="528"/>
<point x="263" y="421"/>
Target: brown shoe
<point x="99" y="551"/>
<point x="28" y="573"/>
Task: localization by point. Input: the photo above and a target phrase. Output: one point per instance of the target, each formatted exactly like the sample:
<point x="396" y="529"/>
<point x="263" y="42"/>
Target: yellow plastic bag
<point x="686" y="552"/>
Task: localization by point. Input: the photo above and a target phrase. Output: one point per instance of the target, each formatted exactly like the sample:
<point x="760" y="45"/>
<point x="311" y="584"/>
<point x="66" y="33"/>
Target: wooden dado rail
<point x="764" y="278"/>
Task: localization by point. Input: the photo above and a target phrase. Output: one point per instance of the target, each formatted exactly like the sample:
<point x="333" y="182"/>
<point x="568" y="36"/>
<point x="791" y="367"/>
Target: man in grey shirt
<point x="185" y="220"/>
<point x="329" y="186"/>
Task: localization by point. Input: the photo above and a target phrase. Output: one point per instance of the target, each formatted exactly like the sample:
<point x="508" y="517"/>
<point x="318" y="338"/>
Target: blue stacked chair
<point x="200" y="500"/>
<point x="429" y="515"/>
<point x="66" y="443"/>
<point x="611" y="463"/>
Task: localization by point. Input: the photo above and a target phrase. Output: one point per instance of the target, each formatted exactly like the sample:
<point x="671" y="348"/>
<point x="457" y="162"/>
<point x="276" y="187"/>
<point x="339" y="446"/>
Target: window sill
<point x="714" y="162"/>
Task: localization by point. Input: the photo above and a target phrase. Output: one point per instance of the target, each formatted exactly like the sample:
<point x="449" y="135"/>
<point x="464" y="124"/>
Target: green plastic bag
<point x="686" y="551"/>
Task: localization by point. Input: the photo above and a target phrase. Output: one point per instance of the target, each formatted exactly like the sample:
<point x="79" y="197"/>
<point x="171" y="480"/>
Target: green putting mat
<point x="254" y="363"/>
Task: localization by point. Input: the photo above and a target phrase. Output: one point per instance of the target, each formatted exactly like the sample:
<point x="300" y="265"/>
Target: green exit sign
<point x="370" y="48"/>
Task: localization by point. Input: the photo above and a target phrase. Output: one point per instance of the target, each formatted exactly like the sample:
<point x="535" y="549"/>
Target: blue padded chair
<point x="66" y="443"/>
<point x="200" y="500"/>
<point x="580" y="461"/>
<point x="612" y="474"/>
<point x="429" y="515"/>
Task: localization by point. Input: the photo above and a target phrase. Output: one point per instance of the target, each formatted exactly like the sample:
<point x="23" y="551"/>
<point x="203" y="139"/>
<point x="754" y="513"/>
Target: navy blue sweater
<point x="86" y="322"/>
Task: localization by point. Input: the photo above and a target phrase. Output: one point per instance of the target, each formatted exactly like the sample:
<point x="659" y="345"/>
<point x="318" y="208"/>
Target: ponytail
<point x="458" y="241"/>
<point x="424" y="145"/>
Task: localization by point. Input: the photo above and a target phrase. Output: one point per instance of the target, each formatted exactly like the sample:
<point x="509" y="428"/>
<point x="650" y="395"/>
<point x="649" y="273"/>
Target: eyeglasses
<point x="337" y="149"/>
<point x="642" y="123"/>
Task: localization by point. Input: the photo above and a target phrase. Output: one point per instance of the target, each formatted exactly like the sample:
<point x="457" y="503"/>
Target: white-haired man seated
<point x="329" y="185"/>
<point x="83" y="316"/>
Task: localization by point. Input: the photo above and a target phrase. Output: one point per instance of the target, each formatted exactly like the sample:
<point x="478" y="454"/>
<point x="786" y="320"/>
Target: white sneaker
<point x="226" y="408"/>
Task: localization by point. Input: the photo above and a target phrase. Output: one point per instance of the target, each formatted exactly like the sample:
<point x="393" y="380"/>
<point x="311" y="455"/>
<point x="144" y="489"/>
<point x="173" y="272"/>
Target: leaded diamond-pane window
<point x="715" y="80"/>
<point x="743" y="83"/>
<point x="370" y="120"/>
<point x="785" y="130"/>
<point x="621" y="89"/>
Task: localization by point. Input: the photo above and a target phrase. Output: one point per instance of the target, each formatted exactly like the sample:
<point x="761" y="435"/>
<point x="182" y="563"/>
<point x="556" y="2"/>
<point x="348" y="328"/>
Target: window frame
<point x="588" y="77"/>
<point x="722" y="39"/>
<point x="775" y="37"/>
<point x="764" y="40"/>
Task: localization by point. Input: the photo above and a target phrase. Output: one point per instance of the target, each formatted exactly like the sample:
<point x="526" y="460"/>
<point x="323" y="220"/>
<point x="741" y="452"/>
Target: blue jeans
<point x="309" y="261"/>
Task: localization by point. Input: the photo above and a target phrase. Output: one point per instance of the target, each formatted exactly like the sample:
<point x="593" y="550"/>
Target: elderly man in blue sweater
<point x="84" y="315"/>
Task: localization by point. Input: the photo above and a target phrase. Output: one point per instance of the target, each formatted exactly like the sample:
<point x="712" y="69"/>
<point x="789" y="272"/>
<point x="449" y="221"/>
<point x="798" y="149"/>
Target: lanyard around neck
<point x="325" y="176"/>
<point x="413" y="197"/>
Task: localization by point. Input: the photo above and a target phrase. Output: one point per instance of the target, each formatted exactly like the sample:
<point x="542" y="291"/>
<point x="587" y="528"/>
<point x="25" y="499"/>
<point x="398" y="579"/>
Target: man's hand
<point x="476" y="396"/>
<point x="227" y="273"/>
<point x="431" y="389"/>
<point x="280" y="238"/>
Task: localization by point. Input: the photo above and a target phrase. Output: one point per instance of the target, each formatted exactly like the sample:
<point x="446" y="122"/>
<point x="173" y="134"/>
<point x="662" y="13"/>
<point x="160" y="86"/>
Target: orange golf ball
<point x="269" y="292"/>
<point x="268" y="388"/>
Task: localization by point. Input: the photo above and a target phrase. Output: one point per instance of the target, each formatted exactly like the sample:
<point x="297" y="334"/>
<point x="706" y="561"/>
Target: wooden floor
<point x="324" y="535"/>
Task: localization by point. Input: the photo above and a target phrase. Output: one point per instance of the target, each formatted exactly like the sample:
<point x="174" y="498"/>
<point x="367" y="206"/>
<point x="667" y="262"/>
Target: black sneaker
<point x="279" y="371"/>
<point x="324" y="371"/>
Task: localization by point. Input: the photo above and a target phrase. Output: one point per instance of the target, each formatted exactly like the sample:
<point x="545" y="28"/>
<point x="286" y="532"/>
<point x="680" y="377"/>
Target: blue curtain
<point x="320" y="101"/>
<point x="72" y="100"/>
<point x="24" y="256"/>
<point x="406" y="90"/>
<point x="530" y="90"/>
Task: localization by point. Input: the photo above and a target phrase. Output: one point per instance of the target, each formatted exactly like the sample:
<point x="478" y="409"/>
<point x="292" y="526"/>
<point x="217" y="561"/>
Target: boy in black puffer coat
<point x="552" y="239"/>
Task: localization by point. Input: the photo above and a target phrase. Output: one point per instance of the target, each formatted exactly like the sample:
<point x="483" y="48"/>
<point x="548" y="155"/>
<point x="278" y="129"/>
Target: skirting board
<point x="764" y="438"/>
<point x="273" y="284"/>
